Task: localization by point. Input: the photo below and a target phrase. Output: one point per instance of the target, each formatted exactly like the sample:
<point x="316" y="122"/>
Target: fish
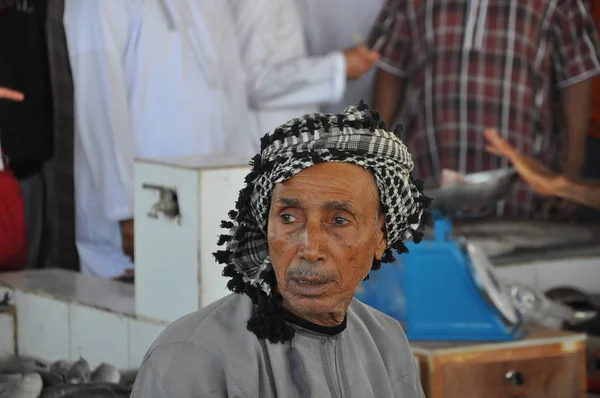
<point x="128" y="377"/>
<point x="27" y="385"/>
<point x="80" y="372"/>
<point x="51" y="378"/>
<point x="22" y="365"/>
<point x="8" y="378"/>
<point x="61" y="367"/>
<point x="106" y="373"/>
<point x="88" y="390"/>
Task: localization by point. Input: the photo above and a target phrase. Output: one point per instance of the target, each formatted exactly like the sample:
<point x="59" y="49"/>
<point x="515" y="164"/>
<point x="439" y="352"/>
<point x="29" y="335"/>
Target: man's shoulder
<point x="372" y="317"/>
<point x="218" y="321"/>
<point x="193" y="355"/>
<point x="382" y="328"/>
<point x="382" y="338"/>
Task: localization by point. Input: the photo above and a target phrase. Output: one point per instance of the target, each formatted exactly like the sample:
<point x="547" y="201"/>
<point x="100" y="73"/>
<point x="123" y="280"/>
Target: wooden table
<point x="545" y="364"/>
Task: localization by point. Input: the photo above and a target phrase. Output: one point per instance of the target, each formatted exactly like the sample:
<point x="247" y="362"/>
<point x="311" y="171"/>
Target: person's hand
<point x="127" y="277"/>
<point x="540" y="179"/>
<point x="359" y="60"/>
<point x="127" y="236"/>
<point x="6" y="93"/>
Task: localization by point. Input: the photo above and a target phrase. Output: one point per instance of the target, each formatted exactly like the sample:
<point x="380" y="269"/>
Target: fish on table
<point x="61" y="367"/>
<point x="80" y="372"/>
<point x="25" y="377"/>
<point x="51" y="378"/>
<point x="18" y="385"/>
<point x="22" y="365"/>
<point x="106" y="373"/>
<point x="87" y="390"/>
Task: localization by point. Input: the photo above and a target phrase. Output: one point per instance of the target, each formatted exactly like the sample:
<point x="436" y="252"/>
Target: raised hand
<point x="6" y="93"/>
<point x="541" y="179"/>
<point x="359" y="60"/>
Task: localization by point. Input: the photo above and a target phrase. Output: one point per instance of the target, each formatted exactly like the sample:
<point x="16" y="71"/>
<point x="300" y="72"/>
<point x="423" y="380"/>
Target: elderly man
<point x="328" y="198"/>
<point x="470" y="65"/>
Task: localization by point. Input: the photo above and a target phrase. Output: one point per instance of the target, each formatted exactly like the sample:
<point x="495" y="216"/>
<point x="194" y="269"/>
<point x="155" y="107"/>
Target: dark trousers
<point x="591" y="170"/>
<point x="34" y="193"/>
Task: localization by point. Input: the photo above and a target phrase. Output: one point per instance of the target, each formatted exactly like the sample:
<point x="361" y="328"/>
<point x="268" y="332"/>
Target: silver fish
<point x="61" y="367"/>
<point x="22" y="365"/>
<point x="51" y="378"/>
<point x="21" y="386"/>
<point x="80" y="372"/>
<point x="128" y="377"/>
<point x="89" y="390"/>
<point x="106" y="373"/>
<point x="9" y="378"/>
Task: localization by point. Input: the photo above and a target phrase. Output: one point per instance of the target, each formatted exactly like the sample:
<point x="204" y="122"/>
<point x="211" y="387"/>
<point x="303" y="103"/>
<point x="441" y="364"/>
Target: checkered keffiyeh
<point x="357" y="136"/>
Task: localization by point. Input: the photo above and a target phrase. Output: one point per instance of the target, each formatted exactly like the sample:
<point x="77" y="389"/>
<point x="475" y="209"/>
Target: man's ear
<point x="381" y="241"/>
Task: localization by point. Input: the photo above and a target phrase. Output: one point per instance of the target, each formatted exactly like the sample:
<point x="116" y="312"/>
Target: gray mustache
<point x="310" y="273"/>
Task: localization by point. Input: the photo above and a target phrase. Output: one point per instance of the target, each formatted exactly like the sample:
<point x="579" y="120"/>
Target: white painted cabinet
<point x="174" y="268"/>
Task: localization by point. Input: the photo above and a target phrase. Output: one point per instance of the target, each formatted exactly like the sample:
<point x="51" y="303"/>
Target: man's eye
<point x="340" y="221"/>
<point x="287" y="218"/>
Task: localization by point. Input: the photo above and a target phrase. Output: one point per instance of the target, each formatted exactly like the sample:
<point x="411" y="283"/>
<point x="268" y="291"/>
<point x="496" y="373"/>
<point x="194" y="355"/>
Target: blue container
<point x="433" y="290"/>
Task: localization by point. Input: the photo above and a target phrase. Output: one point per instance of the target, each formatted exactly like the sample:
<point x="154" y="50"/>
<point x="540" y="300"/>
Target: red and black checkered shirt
<point x="476" y="64"/>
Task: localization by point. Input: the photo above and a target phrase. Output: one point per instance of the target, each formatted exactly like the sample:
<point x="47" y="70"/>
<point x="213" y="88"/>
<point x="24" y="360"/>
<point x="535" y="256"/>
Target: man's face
<point x="324" y="231"/>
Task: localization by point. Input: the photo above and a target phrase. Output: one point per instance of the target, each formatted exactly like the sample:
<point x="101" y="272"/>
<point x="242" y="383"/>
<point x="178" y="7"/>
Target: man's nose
<point x="314" y="240"/>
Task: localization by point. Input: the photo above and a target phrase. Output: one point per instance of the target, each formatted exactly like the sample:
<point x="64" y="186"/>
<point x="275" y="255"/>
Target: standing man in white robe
<point x="285" y="80"/>
<point x="152" y="78"/>
<point x="338" y="24"/>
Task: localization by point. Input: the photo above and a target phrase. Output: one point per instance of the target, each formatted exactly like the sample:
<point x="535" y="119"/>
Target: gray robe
<point x="210" y="353"/>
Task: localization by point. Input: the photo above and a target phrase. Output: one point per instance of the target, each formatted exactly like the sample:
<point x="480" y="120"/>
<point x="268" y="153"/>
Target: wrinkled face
<point x="324" y="231"/>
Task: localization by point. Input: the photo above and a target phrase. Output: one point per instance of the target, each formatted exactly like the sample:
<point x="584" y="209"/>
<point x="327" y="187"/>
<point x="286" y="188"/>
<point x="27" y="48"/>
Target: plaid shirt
<point x="477" y="64"/>
<point x="594" y="129"/>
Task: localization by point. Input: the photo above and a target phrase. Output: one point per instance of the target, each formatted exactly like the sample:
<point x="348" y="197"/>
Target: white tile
<point x="42" y="326"/>
<point x="99" y="336"/>
<point x="141" y="336"/>
<point x="7" y="334"/>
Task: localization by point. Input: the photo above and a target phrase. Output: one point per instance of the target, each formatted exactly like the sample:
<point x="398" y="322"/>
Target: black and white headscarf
<point x="357" y="136"/>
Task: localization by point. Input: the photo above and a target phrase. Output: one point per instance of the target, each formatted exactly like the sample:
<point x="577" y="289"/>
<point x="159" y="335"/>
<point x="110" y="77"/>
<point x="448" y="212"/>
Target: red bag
<point x="13" y="238"/>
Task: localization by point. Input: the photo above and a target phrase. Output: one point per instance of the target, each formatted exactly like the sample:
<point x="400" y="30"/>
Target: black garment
<point x="591" y="171"/>
<point x="25" y="127"/>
